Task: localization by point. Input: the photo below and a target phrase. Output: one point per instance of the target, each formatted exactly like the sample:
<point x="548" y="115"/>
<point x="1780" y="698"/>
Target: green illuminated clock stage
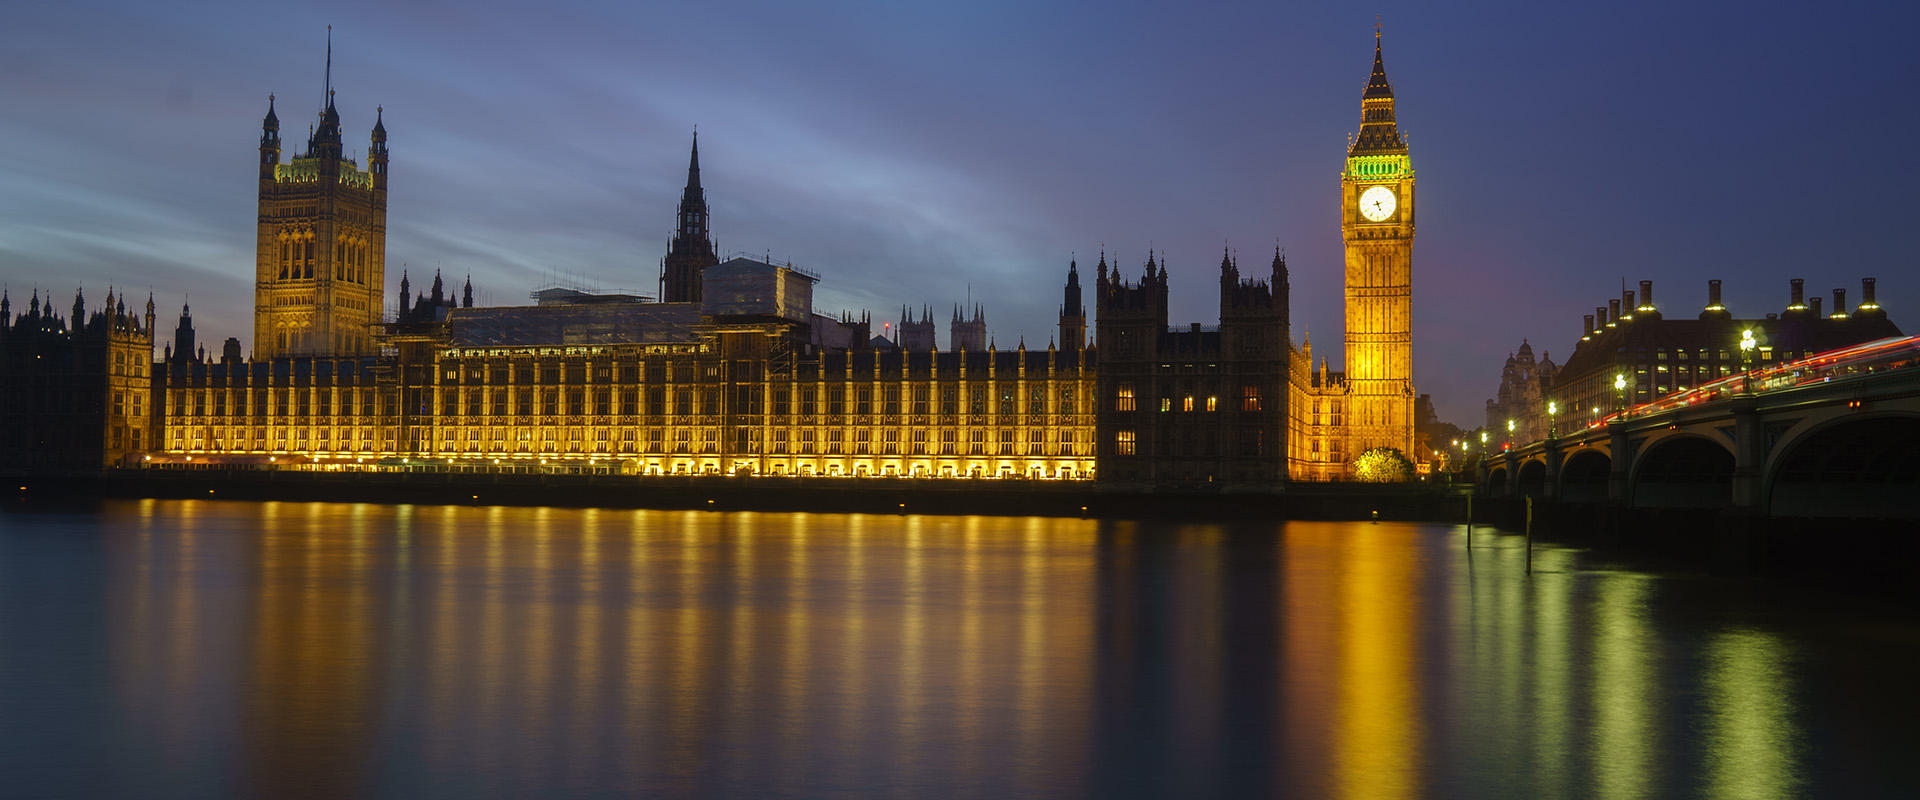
<point x="1378" y="203"/>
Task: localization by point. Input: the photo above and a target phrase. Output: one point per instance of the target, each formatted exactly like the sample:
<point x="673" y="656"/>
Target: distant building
<point x="968" y="333"/>
<point x="917" y="335"/>
<point x="1522" y="396"/>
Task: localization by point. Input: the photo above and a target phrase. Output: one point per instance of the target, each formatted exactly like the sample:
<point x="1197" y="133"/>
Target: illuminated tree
<point x="1383" y="465"/>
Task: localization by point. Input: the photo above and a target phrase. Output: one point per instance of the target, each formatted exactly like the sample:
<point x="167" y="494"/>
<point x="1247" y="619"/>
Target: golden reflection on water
<point x="502" y="649"/>
<point x="1623" y="737"/>
<point x="1379" y="716"/>
<point x="1750" y="731"/>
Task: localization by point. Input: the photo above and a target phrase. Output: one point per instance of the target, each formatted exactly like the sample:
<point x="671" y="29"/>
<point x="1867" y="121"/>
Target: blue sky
<point x="914" y="152"/>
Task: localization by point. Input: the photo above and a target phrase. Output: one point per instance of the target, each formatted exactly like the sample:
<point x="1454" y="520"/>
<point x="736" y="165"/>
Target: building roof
<point x="573" y="324"/>
<point x="1808" y="335"/>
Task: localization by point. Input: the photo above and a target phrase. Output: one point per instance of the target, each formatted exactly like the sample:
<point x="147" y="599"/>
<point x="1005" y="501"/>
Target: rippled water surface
<point x="205" y="649"/>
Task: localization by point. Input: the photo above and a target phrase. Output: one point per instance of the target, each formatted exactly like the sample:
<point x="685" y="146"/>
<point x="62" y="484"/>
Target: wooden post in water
<point x="1469" y="522"/>
<point x="1529" y="534"/>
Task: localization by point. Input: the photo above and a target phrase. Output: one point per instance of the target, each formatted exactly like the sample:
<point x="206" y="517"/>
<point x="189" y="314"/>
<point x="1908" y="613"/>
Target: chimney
<point x="1646" y="295"/>
<point x="1840" y="303"/>
<point x="1866" y="295"/>
<point x="1626" y="305"/>
<point x="1586" y="328"/>
<point x="1614" y="306"/>
<point x="1814" y="304"/>
<point x="1599" y="316"/>
<point x="1713" y="294"/>
<point x="1799" y="293"/>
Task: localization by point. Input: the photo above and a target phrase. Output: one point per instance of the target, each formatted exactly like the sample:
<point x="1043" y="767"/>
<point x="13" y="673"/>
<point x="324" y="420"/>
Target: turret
<point x="183" y="333"/>
<point x="1282" y="288"/>
<point x="269" y="142"/>
<point x="466" y="293"/>
<point x="1073" y="313"/>
<point x="406" y="298"/>
<point x="691" y="250"/>
<point x="80" y="308"/>
<point x="377" y="150"/>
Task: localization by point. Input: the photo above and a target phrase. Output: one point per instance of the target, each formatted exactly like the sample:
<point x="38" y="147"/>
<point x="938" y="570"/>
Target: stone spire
<point x="1379" y="135"/>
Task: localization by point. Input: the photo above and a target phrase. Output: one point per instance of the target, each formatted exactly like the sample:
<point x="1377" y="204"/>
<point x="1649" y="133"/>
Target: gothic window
<point x="1123" y="443"/>
<point x="1123" y="399"/>
<point x="1249" y="398"/>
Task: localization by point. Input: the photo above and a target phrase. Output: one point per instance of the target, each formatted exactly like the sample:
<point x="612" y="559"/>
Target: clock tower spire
<point x="1376" y="222"/>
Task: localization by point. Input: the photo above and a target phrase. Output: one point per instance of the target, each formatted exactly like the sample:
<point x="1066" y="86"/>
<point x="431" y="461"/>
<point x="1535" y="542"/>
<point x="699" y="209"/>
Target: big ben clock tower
<point x="1376" y="220"/>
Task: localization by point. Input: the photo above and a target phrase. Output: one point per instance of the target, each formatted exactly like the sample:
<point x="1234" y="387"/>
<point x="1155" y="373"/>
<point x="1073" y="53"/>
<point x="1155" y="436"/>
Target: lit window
<point x="1123" y="443"/>
<point x="1123" y="398"/>
<point x="1249" y="398"/>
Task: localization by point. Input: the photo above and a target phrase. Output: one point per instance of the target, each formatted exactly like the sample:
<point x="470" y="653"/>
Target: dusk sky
<point x="912" y="152"/>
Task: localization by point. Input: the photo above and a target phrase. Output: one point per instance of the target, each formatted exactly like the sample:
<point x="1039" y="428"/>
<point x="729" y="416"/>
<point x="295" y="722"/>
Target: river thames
<point x="214" y="648"/>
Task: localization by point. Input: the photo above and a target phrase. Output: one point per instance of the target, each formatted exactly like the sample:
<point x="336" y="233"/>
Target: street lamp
<point x="1619" y="391"/>
<point x="1747" y="345"/>
<point x="1553" y="410"/>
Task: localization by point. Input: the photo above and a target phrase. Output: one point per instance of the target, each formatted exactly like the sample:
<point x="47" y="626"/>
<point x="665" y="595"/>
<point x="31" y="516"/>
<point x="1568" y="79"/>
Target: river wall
<point x="1411" y="502"/>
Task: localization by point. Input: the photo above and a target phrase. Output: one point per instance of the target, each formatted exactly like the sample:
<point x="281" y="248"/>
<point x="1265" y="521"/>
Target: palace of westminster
<point x="729" y="371"/>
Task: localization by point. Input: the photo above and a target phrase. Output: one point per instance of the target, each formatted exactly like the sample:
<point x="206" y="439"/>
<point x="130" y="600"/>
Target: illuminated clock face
<point x="1377" y="203"/>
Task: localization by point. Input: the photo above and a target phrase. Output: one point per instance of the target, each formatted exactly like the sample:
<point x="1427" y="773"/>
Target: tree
<point x="1383" y="465"/>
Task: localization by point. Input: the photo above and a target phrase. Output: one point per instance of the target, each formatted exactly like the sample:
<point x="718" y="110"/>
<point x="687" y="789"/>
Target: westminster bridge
<point x="1833" y="435"/>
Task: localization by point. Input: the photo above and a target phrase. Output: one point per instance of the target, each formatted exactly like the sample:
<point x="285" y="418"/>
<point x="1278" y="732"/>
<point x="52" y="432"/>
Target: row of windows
<point x="1125" y="399"/>
<point x="1251" y="442"/>
<point x="807" y="401"/>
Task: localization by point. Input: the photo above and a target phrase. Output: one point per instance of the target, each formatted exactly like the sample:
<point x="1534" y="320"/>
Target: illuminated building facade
<point x="1377" y="221"/>
<point x="729" y="386"/>
<point x="732" y="373"/>
<point x="320" y="266"/>
<point x="75" y="393"/>
<point x="1629" y="353"/>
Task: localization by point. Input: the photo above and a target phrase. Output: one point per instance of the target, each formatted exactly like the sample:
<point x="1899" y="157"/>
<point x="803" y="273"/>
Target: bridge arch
<point x="1584" y="475"/>
<point x="1863" y="465"/>
<point x="1497" y="482"/>
<point x="1682" y="470"/>
<point x="1533" y="477"/>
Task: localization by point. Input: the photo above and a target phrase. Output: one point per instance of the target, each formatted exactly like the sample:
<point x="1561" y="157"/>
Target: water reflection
<point x="282" y="649"/>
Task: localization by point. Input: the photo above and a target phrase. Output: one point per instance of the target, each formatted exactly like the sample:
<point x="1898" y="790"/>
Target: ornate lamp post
<point x="1619" y="391"/>
<point x="1553" y="410"/>
<point x="1509" y="431"/>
